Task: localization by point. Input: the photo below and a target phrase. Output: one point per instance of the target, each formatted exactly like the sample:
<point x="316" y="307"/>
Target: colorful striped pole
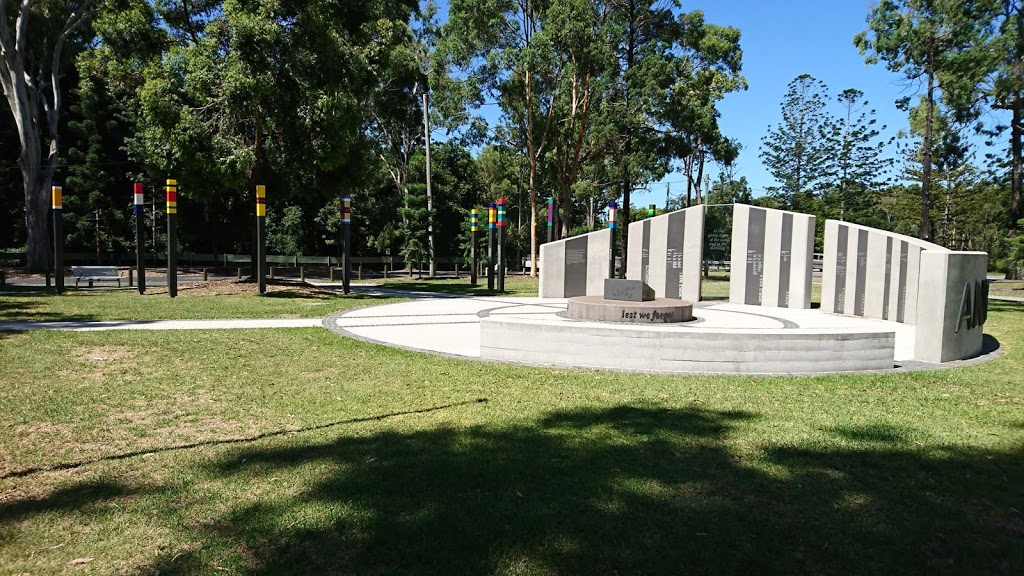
<point x="261" y="238"/>
<point x="502" y="222"/>
<point x="652" y="210"/>
<point x="172" y="237"/>
<point x="551" y="218"/>
<point x="346" y="224"/>
<point x="140" y="247"/>
<point x="474" y="259"/>
<point x="57" y="195"/>
<point x="612" y="214"/>
<point x="492" y="225"/>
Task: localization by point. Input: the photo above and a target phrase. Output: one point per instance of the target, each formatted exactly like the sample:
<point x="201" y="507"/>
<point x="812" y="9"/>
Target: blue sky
<point x="782" y="39"/>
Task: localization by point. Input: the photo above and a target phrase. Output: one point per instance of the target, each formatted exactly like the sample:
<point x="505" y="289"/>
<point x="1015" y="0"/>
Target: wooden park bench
<point x="91" y="273"/>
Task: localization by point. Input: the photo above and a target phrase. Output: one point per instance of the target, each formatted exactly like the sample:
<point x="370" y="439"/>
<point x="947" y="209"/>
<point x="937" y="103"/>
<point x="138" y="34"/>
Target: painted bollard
<point x="502" y="222"/>
<point x="492" y="225"/>
<point x="261" y="238"/>
<point x="346" y="225"/>
<point x="172" y="237"/>
<point x="140" y="248"/>
<point x="551" y="218"/>
<point x="57" y="196"/>
<point x="612" y="215"/>
<point x="474" y="259"/>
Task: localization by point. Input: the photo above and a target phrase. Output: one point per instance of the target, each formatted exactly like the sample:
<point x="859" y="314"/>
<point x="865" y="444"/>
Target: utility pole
<point x="430" y="200"/>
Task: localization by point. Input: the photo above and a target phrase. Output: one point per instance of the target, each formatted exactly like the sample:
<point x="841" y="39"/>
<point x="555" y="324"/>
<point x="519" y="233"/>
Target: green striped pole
<point x="652" y="210"/>
<point x="612" y="214"/>
<point x="473" y="227"/>
<point x="551" y="218"/>
<point x="57" y="194"/>
<point x="172" y="237"/>
<point x="261" y="238"/>
<point x="140" y="248"/>
<point x="501" y="241"/>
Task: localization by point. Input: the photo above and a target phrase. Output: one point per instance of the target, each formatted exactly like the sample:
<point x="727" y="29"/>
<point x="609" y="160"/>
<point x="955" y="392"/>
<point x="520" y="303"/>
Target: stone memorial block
<point x="871" y="273"/>
<point x="878" y="274"/>
<point x="627" y="290"/>
<point x="575" y="266"/>
<point x="771" y="257"/>
<point x="669" y="253"/>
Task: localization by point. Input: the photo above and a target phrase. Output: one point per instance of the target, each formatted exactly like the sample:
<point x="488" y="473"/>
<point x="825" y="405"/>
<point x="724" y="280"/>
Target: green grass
<point x="514" y="285"/>
<point x="35" y="304"/>
<point x="300" y="452"/>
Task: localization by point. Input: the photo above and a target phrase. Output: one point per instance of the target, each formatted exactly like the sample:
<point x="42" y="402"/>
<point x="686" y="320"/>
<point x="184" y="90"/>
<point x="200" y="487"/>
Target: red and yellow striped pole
<point x="261" y="238"/>
<point x="172" y="237"/>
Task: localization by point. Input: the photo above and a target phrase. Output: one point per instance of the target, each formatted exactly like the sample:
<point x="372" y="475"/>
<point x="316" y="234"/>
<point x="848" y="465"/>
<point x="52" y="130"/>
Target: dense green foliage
<point x="583" y="100"/>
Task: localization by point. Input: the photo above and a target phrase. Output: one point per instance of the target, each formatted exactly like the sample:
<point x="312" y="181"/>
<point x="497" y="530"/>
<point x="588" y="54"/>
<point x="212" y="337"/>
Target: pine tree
<point x="794" y="151"/>
<point x="855" y="165"/>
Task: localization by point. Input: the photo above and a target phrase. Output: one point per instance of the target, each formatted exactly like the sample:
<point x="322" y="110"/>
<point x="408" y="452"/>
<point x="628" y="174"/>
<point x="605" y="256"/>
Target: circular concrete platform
<point x="733" y="338"/>
<point x="657" y="311"/>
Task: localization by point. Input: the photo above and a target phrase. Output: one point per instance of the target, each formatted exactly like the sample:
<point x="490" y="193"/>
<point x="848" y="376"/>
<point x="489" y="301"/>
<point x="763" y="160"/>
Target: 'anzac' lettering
<point x="973" y="306"/>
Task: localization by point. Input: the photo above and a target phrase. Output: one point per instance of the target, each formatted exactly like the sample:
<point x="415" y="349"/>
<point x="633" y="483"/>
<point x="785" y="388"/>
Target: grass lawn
<point x="297" y="451"/>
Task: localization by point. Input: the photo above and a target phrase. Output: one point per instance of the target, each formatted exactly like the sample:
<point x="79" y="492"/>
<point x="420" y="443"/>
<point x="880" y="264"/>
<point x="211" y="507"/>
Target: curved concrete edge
<point x="718" y="351"/>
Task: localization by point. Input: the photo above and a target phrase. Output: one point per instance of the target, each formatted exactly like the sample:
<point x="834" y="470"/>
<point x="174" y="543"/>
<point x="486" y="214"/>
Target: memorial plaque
<point x="888" y="277"/>
<point x="755" y="256"/>
<point x="576" y="266"/>
<point x="717" y="236"/>
<point x="862" y="273"/>
<point x="841" y="249"/>
<point x="785" y="255"/>
<point x="901" y="302"/>
<point x="627" y="290"/>
<point x="674" y="255"/>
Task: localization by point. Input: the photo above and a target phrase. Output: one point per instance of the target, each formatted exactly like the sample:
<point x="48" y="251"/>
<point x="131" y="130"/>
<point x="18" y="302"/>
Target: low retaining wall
<point x="685" y="350"/>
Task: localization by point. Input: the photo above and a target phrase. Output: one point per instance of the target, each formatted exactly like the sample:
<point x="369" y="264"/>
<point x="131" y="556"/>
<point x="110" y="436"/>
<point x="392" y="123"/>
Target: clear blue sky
<point x="782" y="39"/>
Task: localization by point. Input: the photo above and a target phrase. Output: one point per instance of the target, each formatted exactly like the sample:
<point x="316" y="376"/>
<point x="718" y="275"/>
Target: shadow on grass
<point x="624" y="490"/>
<point x="77" y="498"/>
<point x="22" y="303"/>
<point x="243" y="440"/>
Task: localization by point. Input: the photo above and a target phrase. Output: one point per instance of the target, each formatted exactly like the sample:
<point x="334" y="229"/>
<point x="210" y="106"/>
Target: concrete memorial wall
<point x="771" y="257"/>
<point x="665" y="253"/>
<point x="575" y="266"/>
<point x="877" y="274"/>
<point x="871" y="273"/>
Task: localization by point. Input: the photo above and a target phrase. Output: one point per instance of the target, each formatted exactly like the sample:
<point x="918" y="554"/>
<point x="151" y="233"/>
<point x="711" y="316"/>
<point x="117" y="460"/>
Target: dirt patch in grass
<point x="98" y="354"/>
